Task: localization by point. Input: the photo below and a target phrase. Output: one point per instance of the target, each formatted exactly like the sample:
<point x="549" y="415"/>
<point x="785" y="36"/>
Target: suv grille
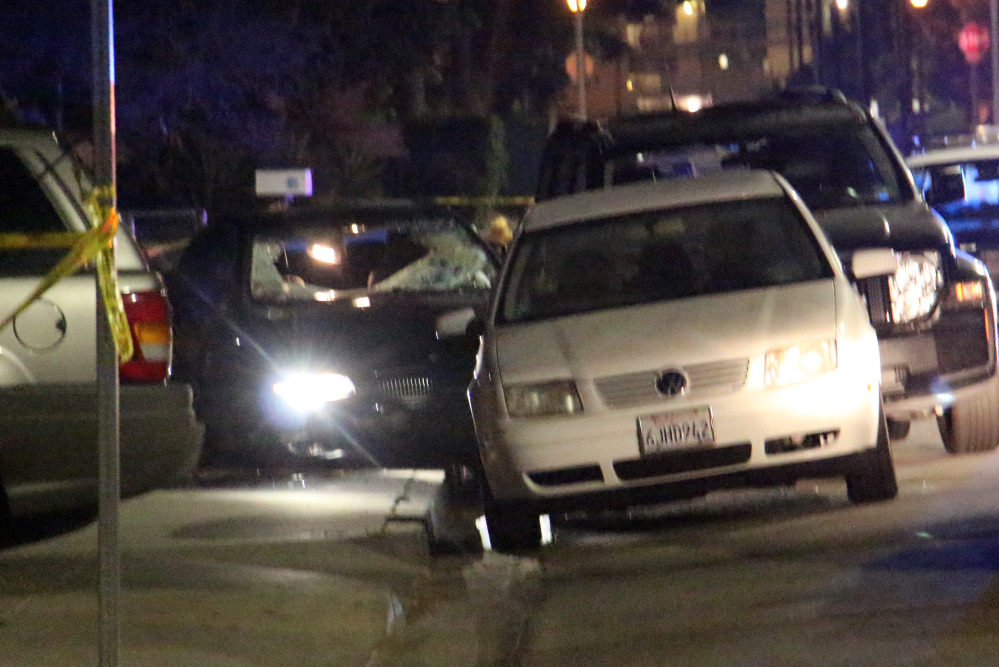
<point x="876" y="296"/>
<point x="620" y="391"/>
<point x="408" y="388"/>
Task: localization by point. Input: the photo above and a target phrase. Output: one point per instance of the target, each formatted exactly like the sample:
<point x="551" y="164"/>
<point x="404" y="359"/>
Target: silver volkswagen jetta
<point x="661" y="340"/>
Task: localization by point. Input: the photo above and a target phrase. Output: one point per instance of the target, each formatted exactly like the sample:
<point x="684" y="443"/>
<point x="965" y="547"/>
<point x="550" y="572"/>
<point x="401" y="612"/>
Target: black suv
<point x="936" y="317"/>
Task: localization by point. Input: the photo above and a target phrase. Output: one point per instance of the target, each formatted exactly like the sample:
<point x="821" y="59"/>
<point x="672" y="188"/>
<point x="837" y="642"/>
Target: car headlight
<point x="310" y="391"/>
<point x="795" y="363"/>
<point x="549" y="398"/>
<point x="914" y="287"/>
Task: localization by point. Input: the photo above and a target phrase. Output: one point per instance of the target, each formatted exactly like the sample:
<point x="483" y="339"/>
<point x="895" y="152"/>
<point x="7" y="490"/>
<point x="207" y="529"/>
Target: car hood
<point x="392" y="332"/>
<point x="910" y="226"/>
<point x="688" y="331"/>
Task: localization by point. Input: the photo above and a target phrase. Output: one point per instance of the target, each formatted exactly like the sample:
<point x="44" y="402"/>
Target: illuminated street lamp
<point x="577" y="7"/>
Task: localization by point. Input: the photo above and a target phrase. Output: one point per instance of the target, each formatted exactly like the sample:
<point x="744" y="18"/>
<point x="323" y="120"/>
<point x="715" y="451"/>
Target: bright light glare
<point x="577" y="5"/>
<point x="799" y="362"/>
<point x="308" y="392"/>
<point x="918" y="4"/>
<point x="688" y="7"/>
<point x="362" y="302"/>
<point x="324" y="253"/>
<point x="693" y="103"/>
<point x="723" y="61"/>
<point x="329" y="295"/>
<point x="841" y="5"/>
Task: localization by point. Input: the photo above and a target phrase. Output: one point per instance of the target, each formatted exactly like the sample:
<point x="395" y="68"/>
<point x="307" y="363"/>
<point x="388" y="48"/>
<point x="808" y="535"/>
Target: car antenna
<point x="672" y="97"/>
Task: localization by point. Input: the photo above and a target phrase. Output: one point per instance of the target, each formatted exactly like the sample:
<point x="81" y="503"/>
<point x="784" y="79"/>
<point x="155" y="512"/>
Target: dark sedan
<point x="312" y="333"/>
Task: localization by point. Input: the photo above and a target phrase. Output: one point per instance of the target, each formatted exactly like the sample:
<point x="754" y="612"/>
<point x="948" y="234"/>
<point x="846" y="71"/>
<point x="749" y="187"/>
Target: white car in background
<point x="48" y="395"/>
<point x="658" y="341"/>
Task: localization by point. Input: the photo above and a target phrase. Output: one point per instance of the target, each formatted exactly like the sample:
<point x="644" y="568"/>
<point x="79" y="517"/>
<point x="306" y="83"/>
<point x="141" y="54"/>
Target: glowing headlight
<point x="799" y="362"/>
<point x="308" y="391"/>
<point x="914" y="286"/>
<point x="549" y="398"/>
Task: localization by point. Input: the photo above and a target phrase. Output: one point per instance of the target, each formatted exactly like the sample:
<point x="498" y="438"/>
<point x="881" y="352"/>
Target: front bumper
<point x="923" y="372"/>
<point x="562" y="463"/>
<point x="427" y="432"/>
<point x="48" y="442"/>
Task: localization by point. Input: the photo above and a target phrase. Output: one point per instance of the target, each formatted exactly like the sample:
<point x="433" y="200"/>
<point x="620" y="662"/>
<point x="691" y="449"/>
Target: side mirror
<point x="456" y="323"/>
<point x="870" y="262"/>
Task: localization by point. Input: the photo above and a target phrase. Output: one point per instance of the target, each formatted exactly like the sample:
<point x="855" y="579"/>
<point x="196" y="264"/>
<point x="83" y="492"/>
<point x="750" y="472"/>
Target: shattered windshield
<point x="356" y="259"/>
<point x="829" y="167"/>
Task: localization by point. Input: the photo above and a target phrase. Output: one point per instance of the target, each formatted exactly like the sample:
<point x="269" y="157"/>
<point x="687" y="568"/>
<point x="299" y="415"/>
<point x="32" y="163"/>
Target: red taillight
<point x="149" y="320"/>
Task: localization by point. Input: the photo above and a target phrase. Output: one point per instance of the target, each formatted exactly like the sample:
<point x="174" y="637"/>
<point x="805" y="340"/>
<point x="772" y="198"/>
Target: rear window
<point x="966" y="193"/>
<point x="830" y="167"/>
<point x="660" y="255"/>
<point x="25" y="209"/>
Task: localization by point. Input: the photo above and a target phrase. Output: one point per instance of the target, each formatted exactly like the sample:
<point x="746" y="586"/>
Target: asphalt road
<point x="333" y="569"/>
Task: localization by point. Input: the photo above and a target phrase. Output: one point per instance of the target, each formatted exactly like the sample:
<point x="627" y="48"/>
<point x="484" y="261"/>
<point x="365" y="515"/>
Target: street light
<point x="577" y="7"/>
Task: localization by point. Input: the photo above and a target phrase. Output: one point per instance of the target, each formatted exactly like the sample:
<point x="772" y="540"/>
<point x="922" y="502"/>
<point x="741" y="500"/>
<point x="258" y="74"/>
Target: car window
<point x="829" y="167"/>
<point x="975" y="188"/>
<point x="328" y="264"/>
<point x="660" y="255"/>
<point x="25" y="209"/>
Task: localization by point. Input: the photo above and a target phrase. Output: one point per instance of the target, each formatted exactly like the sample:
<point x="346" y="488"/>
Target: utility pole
<point x="109" y="474"/>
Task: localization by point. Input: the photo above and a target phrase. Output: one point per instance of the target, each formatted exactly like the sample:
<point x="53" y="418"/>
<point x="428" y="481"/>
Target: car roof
<point x="727" y="122"/>
<point x="729" y="185"/>
<point x="953" y="154"/>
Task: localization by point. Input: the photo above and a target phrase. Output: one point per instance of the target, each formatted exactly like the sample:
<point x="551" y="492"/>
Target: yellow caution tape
<point x="95" y="243"/>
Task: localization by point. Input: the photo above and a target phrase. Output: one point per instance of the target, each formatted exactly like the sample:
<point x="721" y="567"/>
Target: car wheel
<point x="876" y="481"/>
<point x="972" y="424"/>
<point x="512" y="528"/>
<point x="898" y="429"/>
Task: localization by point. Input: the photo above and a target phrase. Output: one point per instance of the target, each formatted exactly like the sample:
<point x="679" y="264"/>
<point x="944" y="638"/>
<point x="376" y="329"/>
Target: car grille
<point x="408" y="389"/>
<point x="620" y="391"/>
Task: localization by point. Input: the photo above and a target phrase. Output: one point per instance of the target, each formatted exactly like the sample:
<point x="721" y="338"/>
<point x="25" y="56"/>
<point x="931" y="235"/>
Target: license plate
<point x="674" y="430"/>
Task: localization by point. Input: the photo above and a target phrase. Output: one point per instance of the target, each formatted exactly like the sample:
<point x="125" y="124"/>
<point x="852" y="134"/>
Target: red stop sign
<point x="973" y="40"/>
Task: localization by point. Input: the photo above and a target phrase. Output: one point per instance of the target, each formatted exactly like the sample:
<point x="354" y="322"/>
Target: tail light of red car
<point x="148" y="316"/>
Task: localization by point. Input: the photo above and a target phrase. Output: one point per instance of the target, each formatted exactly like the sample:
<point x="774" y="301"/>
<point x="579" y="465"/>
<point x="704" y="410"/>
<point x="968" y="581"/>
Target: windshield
<point x="352" y="260"/>
<point x="829" y="167"/>
<point x="660" y="255"/>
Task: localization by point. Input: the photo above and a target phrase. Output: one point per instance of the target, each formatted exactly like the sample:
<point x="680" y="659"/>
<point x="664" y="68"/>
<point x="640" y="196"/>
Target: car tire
<point x="512" y="529"/>
<point x="876" y="480"/>
<point x="971" y="424"/>
<point x="898" y="429"/>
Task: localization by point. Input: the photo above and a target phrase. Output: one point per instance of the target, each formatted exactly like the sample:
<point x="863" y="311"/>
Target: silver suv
<point x="48" y="420"/>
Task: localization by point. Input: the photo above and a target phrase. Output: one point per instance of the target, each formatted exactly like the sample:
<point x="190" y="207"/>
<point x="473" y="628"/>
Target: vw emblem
<point x="671" y="383"/>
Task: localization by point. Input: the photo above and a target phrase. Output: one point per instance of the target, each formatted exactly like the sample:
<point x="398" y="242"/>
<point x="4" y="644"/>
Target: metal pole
<point x="994" y="12"/>
<point x="973" y="80"/>
<point x="109" y="474"/>
<point x="580" y="64"/>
